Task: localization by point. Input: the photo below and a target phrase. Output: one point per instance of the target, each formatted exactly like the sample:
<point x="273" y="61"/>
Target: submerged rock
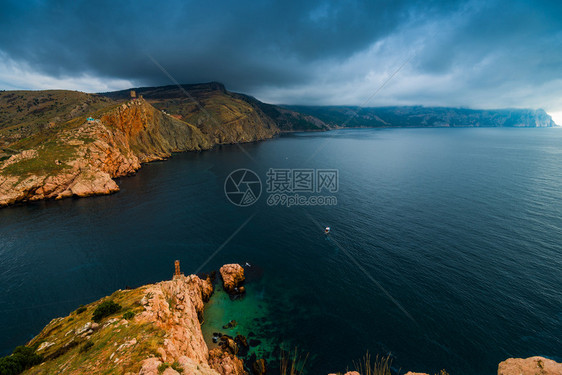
<point x="233" y="323"/>
<point x="259" y="367"/>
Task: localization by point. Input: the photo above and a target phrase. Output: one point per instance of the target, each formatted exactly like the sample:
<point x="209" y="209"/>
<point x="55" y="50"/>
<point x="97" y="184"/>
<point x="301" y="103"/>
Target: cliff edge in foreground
<point x="156" y="329"/>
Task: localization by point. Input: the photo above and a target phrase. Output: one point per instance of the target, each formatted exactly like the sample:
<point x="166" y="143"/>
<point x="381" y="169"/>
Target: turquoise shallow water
<point x="461" y="227"/>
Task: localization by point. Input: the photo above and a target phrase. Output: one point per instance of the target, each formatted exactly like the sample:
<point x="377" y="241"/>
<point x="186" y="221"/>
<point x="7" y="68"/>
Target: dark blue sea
<point x="445" y="248"/>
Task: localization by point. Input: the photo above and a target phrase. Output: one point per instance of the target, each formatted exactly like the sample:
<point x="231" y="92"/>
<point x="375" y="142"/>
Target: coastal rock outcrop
<point x="84" y="159"/>
<point x="225" y="363"/>
<point x="49" y="149"/>
<point x="157" y="330"/>
<point x="529" y="366"/>
<point x="233" y="277"/>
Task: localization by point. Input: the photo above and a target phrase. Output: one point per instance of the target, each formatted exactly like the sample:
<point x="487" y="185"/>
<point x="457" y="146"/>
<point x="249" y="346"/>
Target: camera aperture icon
<point x="242" y="187"/>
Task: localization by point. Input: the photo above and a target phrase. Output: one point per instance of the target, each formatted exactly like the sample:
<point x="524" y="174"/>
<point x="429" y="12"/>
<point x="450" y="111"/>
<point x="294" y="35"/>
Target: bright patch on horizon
<point x="557" y="117"/>
<point x="21" y="76"/>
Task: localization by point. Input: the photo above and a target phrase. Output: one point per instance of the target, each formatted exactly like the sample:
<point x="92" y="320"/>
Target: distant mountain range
<point x="423" y="117"/>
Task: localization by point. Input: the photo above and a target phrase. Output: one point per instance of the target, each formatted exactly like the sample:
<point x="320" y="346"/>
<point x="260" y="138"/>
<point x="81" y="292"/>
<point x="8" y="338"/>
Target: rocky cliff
<point x="225" y="116"/>
<point x="156" y="330"/>
<point x="81" y="157"/>
<point x="59" y="144"/>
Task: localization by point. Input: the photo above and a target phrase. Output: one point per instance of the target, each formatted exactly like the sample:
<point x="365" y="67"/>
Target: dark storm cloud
<point x="464" y="53"/>
<point x="244" y="43"/>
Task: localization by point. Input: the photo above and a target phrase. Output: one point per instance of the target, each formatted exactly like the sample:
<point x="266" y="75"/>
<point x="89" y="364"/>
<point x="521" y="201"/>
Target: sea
<point x="444" y="250"/>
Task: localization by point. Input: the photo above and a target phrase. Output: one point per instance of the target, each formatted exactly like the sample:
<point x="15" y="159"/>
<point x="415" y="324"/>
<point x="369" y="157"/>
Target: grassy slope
<point x="25" y="113"/>
<point x="71" y="353"/>
<point x="222" y="110"/>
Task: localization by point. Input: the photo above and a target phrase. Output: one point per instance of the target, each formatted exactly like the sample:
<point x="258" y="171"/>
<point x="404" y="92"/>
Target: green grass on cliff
<point x="78" y="355"/>
<point x="24" y="113"/>
<point x="51" y="159"/>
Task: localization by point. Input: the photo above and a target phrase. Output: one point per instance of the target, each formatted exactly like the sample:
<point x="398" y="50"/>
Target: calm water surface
<point x="462" y="227"/>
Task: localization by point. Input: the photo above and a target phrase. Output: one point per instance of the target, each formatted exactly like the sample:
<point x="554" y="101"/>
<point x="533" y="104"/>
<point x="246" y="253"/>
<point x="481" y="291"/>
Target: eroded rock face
<point x="85" y="159"/>
<point x="175" y="306"/>
<point x="232" y="277"/>
<point x="225" y="363"/>
<point x="529" y="366"/>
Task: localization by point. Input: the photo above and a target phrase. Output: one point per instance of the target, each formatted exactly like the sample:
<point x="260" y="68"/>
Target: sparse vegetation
<point x="176" y="366"/>
<point x="81" y="309"/>
<point x="380" y="366"/>
<point x="65" y="351"/>
<point x="162" y="367"/>
<point x="292" y="363"/>
<point x="51" y="158"/>
<point x="87" y="345"/>
<point x="105" y="309"/>
<point x="21" y="359"/>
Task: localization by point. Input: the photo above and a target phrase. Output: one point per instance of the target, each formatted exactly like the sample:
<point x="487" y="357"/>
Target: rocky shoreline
<point x="157" y="330"/>
<point x="160" y="333"/>
<point x="53" y="151"/>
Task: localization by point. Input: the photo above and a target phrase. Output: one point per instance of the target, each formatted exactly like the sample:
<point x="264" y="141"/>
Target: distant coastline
<point x="57" y="144"/>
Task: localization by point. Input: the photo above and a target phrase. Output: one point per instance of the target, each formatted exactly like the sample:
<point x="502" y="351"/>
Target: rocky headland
<point x="60" y="144"/>
<point x="156" y="329"/>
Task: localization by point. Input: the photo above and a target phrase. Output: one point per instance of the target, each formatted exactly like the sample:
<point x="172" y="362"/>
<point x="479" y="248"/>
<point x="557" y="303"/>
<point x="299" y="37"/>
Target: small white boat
<point x="327" y="230"/>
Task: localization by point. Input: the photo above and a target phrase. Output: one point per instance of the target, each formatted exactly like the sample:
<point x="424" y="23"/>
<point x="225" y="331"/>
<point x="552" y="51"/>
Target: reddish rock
<point x="259" y="367"/>
<point x="232" y="277"/>
<point x="117" y="144"/>
<point x="225" y="363"/>
<point x="529" y="366"/>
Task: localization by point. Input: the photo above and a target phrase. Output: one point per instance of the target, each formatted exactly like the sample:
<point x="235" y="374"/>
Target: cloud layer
<point x="456" y="53"/>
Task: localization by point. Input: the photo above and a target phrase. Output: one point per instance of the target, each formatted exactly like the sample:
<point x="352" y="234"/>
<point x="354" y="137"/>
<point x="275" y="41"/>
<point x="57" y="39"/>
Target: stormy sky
<point x="479" y="54"/>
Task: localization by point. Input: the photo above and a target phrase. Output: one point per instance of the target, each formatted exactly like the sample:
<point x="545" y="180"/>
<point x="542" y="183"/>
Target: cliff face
<point x="162" y="334"/>
<point x="82" y="158"/>
<point x="223" y="117"/>
<point x="48" y="150"/>
<point x="418" y="116"/>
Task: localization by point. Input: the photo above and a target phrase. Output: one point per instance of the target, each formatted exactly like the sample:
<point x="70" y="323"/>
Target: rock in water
<point x="529" y="366"/>
<point x="232" y="277"/>
<point x="259" y="367"/>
